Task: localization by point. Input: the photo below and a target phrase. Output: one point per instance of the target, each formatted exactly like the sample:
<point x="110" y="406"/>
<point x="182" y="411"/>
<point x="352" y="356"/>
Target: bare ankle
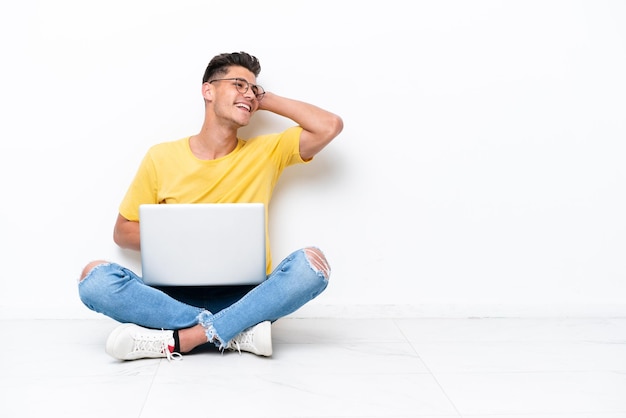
<point x="190" y="338"/>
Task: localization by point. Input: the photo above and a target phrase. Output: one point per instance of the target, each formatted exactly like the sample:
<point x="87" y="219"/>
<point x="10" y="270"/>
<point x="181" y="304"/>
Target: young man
<point x="213" y="166"/>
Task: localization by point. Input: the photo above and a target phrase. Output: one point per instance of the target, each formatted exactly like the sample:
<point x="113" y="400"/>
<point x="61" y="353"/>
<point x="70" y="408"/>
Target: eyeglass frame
<point x="249" y="86"/>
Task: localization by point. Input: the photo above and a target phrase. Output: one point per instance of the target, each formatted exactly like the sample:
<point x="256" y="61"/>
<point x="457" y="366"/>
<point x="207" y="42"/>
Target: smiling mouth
<point x="245" y="107"/>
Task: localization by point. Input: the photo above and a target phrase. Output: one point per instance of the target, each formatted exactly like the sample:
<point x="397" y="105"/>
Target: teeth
<point x="248" y="108"/>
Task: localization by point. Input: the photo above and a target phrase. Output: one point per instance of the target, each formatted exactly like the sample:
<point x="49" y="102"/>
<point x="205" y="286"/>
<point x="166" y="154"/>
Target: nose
<point x="249" y="94"/>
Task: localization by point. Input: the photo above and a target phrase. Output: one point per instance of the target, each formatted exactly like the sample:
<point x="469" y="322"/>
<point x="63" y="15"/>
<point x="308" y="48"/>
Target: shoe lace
<point x="173" y="355"/>
<point x="243" y="338"/>
<point x="154" y="344"/>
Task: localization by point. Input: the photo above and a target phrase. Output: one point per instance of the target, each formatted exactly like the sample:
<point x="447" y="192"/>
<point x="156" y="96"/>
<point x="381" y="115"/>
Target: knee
<point x="90" y="267"/>
<point x="317" y="260"/>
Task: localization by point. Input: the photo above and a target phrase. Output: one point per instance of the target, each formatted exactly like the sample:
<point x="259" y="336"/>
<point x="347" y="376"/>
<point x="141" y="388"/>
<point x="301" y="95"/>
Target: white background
<point x="480" y="172"/>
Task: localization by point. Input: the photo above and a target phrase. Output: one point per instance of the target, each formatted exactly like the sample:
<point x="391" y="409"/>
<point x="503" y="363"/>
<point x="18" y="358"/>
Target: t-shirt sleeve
<point x="141" y="190"/>
<point x="289" y="142"/>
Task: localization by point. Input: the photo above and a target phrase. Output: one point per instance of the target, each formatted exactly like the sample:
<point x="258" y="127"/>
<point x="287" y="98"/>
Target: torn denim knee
<point x="317" y="261"/>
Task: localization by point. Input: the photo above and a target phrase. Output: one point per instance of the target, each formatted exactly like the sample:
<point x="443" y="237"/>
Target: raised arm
<point x="319" y="126"/>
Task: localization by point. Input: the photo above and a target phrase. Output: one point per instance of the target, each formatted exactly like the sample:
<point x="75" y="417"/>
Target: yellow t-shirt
<point x="170" y="173"/>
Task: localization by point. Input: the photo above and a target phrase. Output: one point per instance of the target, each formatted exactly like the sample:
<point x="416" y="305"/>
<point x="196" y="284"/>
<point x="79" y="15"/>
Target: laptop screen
<point x="202" y="244"/>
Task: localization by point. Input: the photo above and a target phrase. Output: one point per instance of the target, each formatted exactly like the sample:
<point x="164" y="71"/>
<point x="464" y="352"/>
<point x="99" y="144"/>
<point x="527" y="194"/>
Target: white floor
<point x="495" y="368"/>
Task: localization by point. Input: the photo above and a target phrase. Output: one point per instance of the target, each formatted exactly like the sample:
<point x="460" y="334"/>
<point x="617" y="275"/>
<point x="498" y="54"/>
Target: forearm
<point x="310" y="117"/>
<point x="126" y="234"/>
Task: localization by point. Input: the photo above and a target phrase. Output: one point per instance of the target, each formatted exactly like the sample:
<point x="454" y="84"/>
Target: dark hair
<point x="220" y="63"/>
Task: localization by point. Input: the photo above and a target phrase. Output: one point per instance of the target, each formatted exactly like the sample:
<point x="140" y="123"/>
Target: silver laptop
<point x="202" y="244"/>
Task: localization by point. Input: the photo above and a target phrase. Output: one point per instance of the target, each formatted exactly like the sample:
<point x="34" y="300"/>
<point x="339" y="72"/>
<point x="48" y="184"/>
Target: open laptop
<point x="202" y="244"/>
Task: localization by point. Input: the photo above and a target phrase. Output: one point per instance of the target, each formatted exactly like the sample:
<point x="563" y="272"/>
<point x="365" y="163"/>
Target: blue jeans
<point x="224" y="312"/>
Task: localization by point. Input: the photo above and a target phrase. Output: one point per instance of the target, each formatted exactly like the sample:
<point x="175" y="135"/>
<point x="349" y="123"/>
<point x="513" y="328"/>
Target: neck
<point x="211" y="143"/>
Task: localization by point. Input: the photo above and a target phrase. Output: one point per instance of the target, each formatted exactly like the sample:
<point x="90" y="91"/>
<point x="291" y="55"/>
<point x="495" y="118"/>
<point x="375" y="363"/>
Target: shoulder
<point x="289" y="135"/>
<point x="282" y="147"/>
<point x="167" y="150"/>
<point x="169" y="146"/>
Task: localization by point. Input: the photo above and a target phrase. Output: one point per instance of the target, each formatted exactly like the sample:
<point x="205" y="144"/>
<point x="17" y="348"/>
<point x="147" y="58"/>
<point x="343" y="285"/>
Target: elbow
<point x="335" y="126"/>
<point x="126" y="235"/>
<point x="331" y="127"/>
<point x="117" y="237"/>
<point x="326" y="132"/>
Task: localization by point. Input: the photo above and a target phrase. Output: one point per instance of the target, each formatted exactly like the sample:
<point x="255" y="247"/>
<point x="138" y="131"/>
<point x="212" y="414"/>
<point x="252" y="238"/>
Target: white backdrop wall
<point x="480" y="172"/>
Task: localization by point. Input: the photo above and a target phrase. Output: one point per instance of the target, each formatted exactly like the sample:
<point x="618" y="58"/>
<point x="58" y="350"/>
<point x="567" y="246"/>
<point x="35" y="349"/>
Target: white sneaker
<point x="132" y="342"/>
<point x="256" y="340"/>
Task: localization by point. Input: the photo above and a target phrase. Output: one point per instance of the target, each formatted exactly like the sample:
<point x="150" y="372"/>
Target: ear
<point x="207" y="91"/>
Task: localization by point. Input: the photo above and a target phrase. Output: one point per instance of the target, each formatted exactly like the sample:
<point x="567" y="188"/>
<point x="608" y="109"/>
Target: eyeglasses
<point x="242" y="86"/>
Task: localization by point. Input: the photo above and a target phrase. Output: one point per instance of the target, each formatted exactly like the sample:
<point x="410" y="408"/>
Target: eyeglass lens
<point x="243" y="86"/>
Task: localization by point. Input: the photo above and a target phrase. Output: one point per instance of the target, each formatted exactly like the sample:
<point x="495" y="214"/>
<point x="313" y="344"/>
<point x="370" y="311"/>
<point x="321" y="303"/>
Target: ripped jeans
<point x="119" y="293"/>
